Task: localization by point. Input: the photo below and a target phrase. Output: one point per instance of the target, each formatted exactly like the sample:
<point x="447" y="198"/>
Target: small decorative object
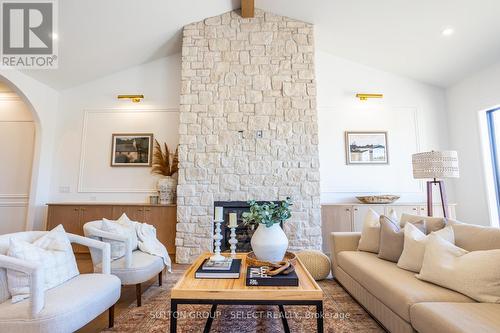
<point x="366" y="148"/>
<point x="219" y="211"/>
<point x="167" y="166"/>
<point x="154" y="199"/>
<point x="378" y="199"/>
<point x="233" y="224"/>
<point x="131" y="150"/>
<point x="217" y="240"/>
<point x="436" y="165"/>
<point x="316" y="262"/>
<point x="269" y="242"/>
<point x="284" y="266"/>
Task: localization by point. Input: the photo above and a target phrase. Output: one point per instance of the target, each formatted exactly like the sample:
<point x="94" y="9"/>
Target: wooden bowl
<point x="378" y="199"/>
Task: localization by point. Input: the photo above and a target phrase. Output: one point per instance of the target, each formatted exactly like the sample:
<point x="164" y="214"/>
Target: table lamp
<point x="436" y="165"/>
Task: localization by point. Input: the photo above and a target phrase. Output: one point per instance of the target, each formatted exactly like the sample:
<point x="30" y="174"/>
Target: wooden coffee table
<point x="189" y="290"/>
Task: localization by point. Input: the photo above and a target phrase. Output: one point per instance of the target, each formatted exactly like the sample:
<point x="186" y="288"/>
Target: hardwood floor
<point x="128" y="296"/>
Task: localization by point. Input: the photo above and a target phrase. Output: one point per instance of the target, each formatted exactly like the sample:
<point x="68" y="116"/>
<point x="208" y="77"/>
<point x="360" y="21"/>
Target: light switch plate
<point x="64" y="189"/>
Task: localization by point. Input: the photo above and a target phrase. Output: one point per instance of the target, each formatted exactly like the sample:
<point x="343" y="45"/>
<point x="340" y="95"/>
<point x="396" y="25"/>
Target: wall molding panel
<point x="133" y="120"/>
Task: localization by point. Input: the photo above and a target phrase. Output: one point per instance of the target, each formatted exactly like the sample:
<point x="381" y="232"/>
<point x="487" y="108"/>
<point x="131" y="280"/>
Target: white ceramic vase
<point x="167" y="188"/>
<point x="269" y="244"/>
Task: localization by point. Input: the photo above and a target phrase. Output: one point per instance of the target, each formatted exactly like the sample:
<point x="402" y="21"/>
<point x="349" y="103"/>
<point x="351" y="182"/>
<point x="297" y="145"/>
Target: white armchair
<point x="134" y="268"/>
<point x="64" y="308"/>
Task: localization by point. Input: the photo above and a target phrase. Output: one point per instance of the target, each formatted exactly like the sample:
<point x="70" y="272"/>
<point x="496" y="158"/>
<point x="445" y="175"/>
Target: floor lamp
<point x="436" y="165"/>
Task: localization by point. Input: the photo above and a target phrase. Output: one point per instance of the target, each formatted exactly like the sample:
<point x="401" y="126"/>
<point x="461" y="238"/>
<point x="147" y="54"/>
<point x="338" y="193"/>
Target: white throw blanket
<point x="148" y="243"/>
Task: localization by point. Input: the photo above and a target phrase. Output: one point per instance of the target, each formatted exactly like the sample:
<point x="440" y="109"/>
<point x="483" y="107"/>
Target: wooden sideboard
<point x="74" y="215"/>
<point x="350" y="216"/>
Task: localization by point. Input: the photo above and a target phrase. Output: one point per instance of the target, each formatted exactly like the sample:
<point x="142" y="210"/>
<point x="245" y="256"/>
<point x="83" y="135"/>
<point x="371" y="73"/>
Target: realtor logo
<point x="28" y="34"/>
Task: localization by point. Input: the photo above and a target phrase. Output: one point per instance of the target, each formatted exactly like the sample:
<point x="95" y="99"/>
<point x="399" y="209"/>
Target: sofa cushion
<point x="144" y="267"/>
<point x="456" y="317"/>
<point x="474" y="237"/>
<point x="412" y="256"/>
<point x="431" y="223"/>
<point x="396" y="288"/>
<point x="370" y="235"/>
<point x="67" y="307"/>
<point x="392" y="238"/>
<point x="475" y="274"/>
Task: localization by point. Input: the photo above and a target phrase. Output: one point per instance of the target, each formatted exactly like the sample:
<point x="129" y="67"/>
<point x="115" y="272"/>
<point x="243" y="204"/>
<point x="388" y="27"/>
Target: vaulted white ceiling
<point x="99" y="37"/>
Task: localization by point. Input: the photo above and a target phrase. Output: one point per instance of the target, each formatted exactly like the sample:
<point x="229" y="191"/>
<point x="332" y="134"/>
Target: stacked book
<point x="227" y="269"/>
<point x="257" y="276"/>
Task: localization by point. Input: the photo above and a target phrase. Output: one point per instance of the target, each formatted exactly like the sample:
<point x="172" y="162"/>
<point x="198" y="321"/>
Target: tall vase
<point x="167" y="188"/>
<point x="269" y="244"/>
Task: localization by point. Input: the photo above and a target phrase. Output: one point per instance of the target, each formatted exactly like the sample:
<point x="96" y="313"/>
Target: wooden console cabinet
<point x="344" y="217"/>
<point x="74" y="215"/>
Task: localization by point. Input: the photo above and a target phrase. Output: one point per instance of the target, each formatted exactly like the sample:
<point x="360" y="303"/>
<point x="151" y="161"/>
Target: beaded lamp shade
<point x="435" y="165"/>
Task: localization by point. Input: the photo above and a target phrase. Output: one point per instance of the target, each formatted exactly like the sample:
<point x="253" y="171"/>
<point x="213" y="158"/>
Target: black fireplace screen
<point x="243" y="232"/>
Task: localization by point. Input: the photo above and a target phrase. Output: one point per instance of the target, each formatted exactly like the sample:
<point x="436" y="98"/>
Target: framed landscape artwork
<point x="132" y="150"/>
<point x="366" y="148"/>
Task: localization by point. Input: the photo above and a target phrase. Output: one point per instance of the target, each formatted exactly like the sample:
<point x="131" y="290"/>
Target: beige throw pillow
<point x="392" y="238"/>
<point x="370" y="235"/>
<point x="431" y="223"/>
<point x="475" y="274"/>
<point x="414" y="246"/>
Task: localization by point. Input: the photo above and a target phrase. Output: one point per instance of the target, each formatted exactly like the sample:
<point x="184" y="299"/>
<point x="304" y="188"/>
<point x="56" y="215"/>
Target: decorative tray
<point x="282" y="267"/>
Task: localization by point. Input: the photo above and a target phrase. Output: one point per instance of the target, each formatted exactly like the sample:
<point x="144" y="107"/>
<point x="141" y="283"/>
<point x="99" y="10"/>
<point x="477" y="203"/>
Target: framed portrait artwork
<point x="132" y="150"/>
<point x="366" y="148"/>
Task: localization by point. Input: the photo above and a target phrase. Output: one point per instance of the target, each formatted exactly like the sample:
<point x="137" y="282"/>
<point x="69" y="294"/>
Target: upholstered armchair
<point x="64" y="308"/>
<point x="134" y="268"/>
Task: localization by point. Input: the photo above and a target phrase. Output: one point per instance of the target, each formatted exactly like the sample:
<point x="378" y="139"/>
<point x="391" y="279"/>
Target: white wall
<point x="17" y="134"/>
<point x="90" y="113"/>
<point x="414" y="114"/>
<point x="466" y="100"/>
<point x="42" y="102"/>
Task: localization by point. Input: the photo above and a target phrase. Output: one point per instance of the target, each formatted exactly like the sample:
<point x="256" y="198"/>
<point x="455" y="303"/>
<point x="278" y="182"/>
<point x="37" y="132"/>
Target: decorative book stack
<point x="227" y="269"/>
<point x="257" y="276"/>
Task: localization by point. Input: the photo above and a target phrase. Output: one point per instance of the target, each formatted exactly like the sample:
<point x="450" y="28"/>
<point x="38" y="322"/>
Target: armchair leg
<point x="111" y="314"/>
<point x="160" y="278"/>
<point x="138" y="293"/>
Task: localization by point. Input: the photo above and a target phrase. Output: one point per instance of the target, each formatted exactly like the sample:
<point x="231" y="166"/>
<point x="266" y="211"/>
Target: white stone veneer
<point x="240" y="76"/>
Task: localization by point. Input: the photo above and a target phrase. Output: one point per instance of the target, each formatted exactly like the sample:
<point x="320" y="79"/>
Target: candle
<point x="232" y="220"/>
<point x="218" y="213"/>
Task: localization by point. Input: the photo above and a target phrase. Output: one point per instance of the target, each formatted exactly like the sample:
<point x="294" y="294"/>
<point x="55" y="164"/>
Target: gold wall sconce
<point x="365" y="97"/>
<point x="133" y="98"/>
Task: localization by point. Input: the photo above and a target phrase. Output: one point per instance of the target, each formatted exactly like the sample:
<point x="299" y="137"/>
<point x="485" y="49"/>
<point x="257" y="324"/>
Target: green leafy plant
<point x="268" y="213"/>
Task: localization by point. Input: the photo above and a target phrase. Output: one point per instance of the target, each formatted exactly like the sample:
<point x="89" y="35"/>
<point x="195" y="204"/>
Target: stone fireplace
<point x="243" y="232"/>
<point x="248" y="125"/>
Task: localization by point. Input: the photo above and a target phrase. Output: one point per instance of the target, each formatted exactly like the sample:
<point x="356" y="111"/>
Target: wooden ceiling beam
<point x="247" y="8"/>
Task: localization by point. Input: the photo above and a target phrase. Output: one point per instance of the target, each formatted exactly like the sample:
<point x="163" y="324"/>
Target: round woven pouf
<point x="316" y="262"/>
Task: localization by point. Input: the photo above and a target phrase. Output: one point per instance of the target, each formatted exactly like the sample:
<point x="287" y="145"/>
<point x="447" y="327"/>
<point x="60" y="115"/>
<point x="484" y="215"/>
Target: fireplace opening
<point x="244" y="231"/>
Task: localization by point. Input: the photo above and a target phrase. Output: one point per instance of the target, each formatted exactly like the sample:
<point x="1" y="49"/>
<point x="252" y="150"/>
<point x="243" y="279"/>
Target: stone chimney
<point x="248" y="124"/>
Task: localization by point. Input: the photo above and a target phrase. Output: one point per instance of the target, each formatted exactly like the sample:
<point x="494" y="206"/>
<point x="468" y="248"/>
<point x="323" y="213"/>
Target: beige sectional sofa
<point x="403" y="303"/>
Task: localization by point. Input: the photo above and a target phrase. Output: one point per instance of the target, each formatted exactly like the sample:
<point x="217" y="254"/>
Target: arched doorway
<point x="17" y="137"/>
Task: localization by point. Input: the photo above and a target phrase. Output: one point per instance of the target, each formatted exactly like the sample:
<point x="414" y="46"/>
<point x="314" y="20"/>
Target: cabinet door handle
<point x="139" y="210"/>
<point x="422" y="208"/>
<point x="347" y="210"/>
<point x="355" y="209"/>
<point x="76" y="209"/>
<point x="414" y="209"/>
<point x="148" y="210"/>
